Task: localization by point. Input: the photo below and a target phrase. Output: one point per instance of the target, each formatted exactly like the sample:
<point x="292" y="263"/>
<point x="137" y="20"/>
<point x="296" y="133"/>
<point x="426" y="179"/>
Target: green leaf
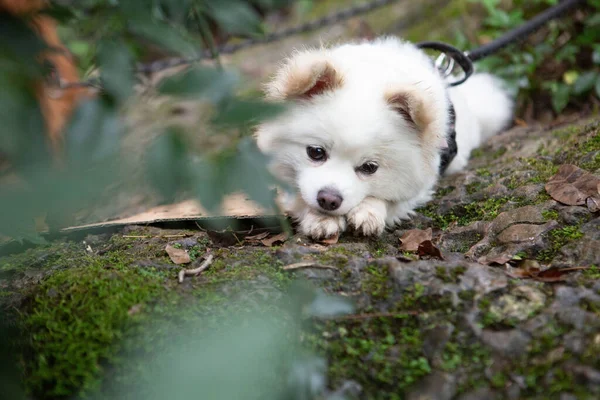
<point x="167" y="164"/>
<point x="235" y="17"/>
<point x="244" y="169"/>
<point x="560" y="97"/>
<point x="208" y="83"/>
<point x="244" y="112"/>
<point x="585" y="82"/>
<point x="116" y="66"/>
<point x="165" y="36"/>
<point x="597" y="87"/>
<point x="596" y="55"/>
<point x="94" y="133"/>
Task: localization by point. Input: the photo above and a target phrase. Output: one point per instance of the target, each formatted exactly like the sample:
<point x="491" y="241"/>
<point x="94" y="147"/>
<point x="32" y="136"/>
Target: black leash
<point x="466" y="59"/>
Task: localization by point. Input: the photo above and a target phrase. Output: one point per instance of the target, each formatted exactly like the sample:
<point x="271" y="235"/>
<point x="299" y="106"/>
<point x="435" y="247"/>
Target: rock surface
<point x="486" y="322"/>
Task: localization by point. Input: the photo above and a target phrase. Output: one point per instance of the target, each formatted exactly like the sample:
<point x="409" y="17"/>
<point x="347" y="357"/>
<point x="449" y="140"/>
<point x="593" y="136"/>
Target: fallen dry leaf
<point x="411" y="239"/>
<point x="530" y="270"/>
<point x="499" y="259"/>
<point x="281" y="237"/>
<point x="427" y="248"/>
<point x="572" y="185"/>
<point x="178" y="256"/>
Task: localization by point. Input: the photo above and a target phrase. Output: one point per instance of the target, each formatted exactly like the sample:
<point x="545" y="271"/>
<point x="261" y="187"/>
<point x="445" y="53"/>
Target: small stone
<point x="462" y="237"/>
<point x="482" y="393"/>
<point x="524" y="232"/>
<point x="588" y="373"/>
<point x="591" y="229"/>
<point x="529" y="192"/>
<point x="574" y="215"/>
<point x="435" y="386"/>
<point x="527" y="214"/>
<point x="575" y="342"/>
<point x="435" y="342"/>
<point x="518" y="305"/>
<point x="509" y="343"/>
<point x="483" y="279"/>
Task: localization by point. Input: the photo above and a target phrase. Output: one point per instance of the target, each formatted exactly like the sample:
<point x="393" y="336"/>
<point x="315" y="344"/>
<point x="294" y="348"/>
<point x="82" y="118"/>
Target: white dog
<point x="362" y="138"/>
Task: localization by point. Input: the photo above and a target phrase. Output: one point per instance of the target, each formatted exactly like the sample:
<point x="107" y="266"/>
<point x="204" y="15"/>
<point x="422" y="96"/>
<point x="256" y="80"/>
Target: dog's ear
<point x="410" y="106"/>
<point x="304" y="75"/>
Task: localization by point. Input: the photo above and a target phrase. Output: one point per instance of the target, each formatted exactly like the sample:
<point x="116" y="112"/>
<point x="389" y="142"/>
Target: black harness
<point x="449" y="152"/>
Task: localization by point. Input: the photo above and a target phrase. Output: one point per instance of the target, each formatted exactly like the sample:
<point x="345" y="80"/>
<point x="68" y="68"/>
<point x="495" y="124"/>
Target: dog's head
<point x="356" y="126"/>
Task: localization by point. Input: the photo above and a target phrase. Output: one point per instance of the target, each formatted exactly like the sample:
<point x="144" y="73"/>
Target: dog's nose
<point x="329" y="199"/>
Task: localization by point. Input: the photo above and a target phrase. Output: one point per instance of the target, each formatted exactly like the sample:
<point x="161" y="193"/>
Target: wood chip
<point x="178" y="256"/>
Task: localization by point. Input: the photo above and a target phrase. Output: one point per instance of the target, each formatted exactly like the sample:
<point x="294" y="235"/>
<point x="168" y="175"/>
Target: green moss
<point x="559" y="238"/>
<point x="550" y="215"/>
<point x="544" y="168"/>
<point x="76" y="319"/>
<point x="449" y="274"/>
<point x="377" y="282"/>
<point x="443" y="191"/>
<point x="476" y="153"/>
<point x="483" y="172"/>
<point x="475" y="187"/>
<point x="592" y="273"/>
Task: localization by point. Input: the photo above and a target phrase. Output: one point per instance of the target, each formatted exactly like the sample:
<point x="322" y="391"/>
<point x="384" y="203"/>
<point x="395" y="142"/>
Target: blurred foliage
<point x="557" y="66"/>
<point x="120" y="34"/>
<point x="258" y="354"/>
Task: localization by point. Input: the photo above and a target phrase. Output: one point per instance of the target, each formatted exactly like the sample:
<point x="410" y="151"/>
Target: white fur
<point x="355" y="121"/>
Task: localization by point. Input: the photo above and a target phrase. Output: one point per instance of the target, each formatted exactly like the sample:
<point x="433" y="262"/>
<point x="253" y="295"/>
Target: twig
<point x="136" y="236"/>
<point x="307" y="264"/>
<point x="569" y="269"/>
<point x="196" y="271"/>
<point x="174" y="236"/>
<point x="374" y="315"/>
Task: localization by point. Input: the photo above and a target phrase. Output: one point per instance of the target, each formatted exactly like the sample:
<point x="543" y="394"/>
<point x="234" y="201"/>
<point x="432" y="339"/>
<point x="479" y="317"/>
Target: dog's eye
<point x="316" y="153"/>
<point x="368" y="168"/>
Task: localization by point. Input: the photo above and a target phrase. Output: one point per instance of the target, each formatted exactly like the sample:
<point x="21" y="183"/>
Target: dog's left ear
<point x="410" y="106"/>
<point x="303" y="76"/>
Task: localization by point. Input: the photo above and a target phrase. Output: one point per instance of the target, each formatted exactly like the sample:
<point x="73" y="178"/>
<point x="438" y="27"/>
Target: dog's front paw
<point x="368" y="217"/>
<point x="321" y="226"/>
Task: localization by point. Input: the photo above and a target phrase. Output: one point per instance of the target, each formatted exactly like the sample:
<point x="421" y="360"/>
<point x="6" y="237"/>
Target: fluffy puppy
<point x="363" y="135"/>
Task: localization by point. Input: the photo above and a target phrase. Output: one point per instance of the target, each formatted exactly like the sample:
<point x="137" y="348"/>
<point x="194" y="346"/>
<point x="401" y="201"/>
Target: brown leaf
<point x="281" y="237"/>
<point x="499" y="259"/>
<point x="518" y="273"/>
<point x="572" y="185"/>
<point x="550" y="275"/>
<point x="411" y="239"/>
<point x="331" y="240"/>
<point x="530" y="270"/>
<point x="178" y="256"/>
<point x="427" y="248"/>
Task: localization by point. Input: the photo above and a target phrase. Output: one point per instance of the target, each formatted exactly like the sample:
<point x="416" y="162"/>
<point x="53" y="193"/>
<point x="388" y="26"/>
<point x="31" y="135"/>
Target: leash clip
<point x="450" y="57"/>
